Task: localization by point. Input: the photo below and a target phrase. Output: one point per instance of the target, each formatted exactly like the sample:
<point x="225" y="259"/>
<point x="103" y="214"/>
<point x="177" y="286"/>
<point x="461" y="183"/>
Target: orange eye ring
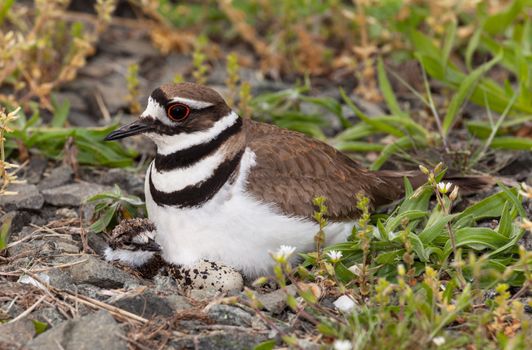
<point x="177" y="112"/>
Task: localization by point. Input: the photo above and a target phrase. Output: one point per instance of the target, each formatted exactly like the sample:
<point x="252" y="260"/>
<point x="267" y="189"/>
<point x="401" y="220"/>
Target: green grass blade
<point x="387" y="91"/>
<point x="464" y="91"/>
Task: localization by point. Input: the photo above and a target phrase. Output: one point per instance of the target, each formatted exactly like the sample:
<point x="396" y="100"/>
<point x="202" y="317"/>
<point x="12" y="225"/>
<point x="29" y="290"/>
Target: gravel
<point x="94" y="331"/>
<point x="73" y="194"/>
<point x="26" y="196"/>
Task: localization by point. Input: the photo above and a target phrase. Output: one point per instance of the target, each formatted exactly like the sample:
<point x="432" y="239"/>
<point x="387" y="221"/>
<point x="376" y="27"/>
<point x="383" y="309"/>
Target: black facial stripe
<point x="191" y="155"/>
<point x="159" y="97"/>
<point x="194" y="195"/>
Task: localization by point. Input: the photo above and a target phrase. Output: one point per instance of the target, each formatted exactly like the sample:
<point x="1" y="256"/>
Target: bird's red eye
<point x="178" y="112"/>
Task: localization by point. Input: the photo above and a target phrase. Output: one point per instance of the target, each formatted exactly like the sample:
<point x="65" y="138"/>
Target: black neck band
<point x="195" y="195"/>
<point x="189" y="156"/>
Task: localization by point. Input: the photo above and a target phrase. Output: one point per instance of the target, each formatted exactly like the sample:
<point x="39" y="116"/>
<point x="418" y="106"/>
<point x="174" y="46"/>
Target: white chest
<point x="232" y="227"/>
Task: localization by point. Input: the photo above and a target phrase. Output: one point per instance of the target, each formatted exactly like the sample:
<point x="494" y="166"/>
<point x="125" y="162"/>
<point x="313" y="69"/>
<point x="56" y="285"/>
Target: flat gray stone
<point x="178" y="302"/>
<point x="147" y="305"/>
<point x="73" y="194"/>
<point x="58" y="176"/>
<point x="27" y="197"/>
<point x="234" y="339"/>
<point x="15" y="335"/>
<point x="99" y="273"/>
<point x="230" y="315"/>
<point x="94" y="331"/>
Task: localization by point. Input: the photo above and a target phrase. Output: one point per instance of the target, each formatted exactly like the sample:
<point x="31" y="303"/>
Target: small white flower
<point x="283" y="253"/>
<point x="344" y="303"/>
<point x="438" y="341"/>
<point x="444" y="187"/>
<point x="334" y="255"/>
<point x="342" y="345"/>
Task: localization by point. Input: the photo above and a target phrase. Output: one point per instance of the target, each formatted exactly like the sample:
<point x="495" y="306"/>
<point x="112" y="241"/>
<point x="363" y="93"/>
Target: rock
<point x="75" y="100"/>
<point x="66" y="213"/>
<point x="36" y="167"/>
<point x="209" y="275"/>
<point x="97" y="242"/>
<point x="48" y="315"/>
<point x="66" y="247"/>
<point x="221" y="340"/>
<point x="164" y="283"/>
<point x="26" y="197"/>
<point x="73" y="194"/>
<point x="14" y="335"/>
<point x="203" y="294"/>
<point x="94" y="331"/>
<point x="126" y="180"/>
<point x="147" y="305"/>
<point x="57" y="177"/>
<point x="275" y="302"/>
<point x="178" y="302"/>
<point x="230" y="315"/>
<point x="99" y="273"/>
<point x="18" y="220"/>
<point x="59" y="278"/>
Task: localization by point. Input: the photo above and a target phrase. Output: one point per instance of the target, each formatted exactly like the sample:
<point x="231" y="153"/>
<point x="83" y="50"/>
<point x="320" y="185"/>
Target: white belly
<point x="233" y="228"/>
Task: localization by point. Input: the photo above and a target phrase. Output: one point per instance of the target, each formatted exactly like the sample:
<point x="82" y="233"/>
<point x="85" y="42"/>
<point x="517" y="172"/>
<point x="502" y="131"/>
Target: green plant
<point x="50" y="140"/>
<point x="112" y="207"/>
<point x="8" y="176"/>
<point x="233" y="78"/>
<point x="199" y="61"/>
<point x="41" y="50"/>
<point x="133" y="88"/>
<point x="401" y="282"/>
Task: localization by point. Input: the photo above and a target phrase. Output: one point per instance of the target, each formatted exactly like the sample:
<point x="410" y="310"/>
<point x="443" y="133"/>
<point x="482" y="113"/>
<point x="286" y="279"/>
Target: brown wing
<point x="292" y="169"/>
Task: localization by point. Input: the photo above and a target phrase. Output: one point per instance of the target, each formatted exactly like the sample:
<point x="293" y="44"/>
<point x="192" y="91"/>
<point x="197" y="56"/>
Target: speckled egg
<point x="208" y="275"/>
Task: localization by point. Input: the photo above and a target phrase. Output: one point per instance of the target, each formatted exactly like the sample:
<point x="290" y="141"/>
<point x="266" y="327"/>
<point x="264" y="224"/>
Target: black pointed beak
<point x="139" y="126"/>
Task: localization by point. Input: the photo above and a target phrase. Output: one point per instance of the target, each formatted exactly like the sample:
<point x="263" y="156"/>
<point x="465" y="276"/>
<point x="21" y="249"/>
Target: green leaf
<point x="477" y="238"/>
<point x="449" y="42"/>
<point x="60" y="113"/>
<point x="381" y="126"/>
<point x="103" y="221"/>
<point x="512" y="143"/>
<point x="4" y="232"/>
<point x="472" y="47"/>
<point x="410" y="215"/>
<point x="402" y="143"/>
<point x="326" y="330"/>
<point x="489" y="207"/>
<point x="4" y="9"/>
<point x="430" y="233"/>
<point x="266" y="345"/>
<point x="39" y="326"/>
<point x="353" y="146"/>
<point x="505" y="223"/>
<point x="387" y="91"/>
<point x="498" y="22"/>
<point x="464" y="91"/>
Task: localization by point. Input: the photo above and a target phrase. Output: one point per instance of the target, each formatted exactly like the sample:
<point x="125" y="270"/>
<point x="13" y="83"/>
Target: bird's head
<point x="177" y="110"/>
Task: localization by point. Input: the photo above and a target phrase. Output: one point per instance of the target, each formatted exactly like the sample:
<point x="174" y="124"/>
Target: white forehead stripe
<point x="194" y="104"/>
<point x="167" y="144"/>
<point x="153" y="109"/>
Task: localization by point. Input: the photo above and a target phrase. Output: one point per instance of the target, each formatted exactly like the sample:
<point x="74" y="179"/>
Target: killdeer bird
<point x="228" y="189"/>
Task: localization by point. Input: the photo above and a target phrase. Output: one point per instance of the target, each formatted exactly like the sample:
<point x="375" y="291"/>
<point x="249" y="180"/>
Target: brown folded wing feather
<point x="292" y="169"/>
